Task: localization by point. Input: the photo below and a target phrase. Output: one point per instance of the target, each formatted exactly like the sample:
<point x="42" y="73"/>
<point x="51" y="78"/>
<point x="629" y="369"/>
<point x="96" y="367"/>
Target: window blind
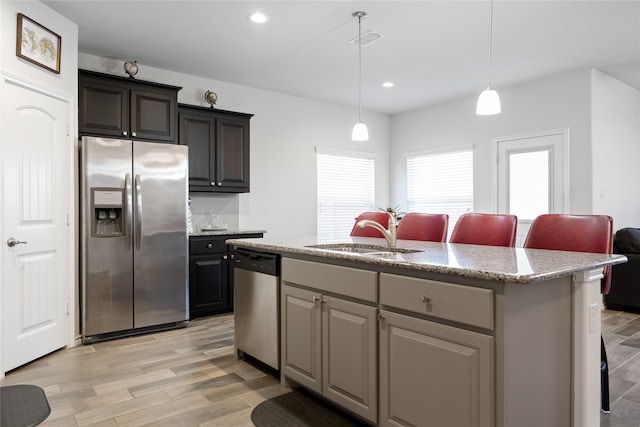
<point x="441" y="182"/>
<point x="345" y="189"/>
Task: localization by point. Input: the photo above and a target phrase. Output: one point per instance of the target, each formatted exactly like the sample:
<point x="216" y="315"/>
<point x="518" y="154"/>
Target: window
<point x="528" y="188"/>
<point x="532" y="176"/>
<point x="441" y="182"/>
<point x="345" y="190"/>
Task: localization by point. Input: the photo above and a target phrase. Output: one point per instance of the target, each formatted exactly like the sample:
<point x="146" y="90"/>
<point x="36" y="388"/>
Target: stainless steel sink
<point x="354" y="250"/>
<point x="357" y="248"/>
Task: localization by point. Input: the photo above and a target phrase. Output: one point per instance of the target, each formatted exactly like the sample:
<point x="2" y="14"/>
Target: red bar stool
<point x="485" y="229"/>
<point x="380" y="217"/>
<point x="423" y="226"/>
<point x="578" y="233"/>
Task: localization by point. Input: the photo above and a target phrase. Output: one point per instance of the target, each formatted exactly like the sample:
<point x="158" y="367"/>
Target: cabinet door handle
<point x="316" y="300"/>
<point x="426" y="299"/>
<point x="381" y="318"/>
<point x="213" y="184"/>
<point x="133" y="134"/>
<point x="209" y="245"/>
<point x="219" y="184"/>
<point x="224" y="257"/>
<point x="124" y="133"/>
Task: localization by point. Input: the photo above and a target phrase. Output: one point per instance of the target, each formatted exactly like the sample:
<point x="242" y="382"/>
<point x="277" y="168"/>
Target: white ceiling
<point x="433" y="50"/>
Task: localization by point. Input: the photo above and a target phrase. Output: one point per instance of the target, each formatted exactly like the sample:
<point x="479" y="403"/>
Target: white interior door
<point x="532" y="177"/>
<point x="36" y="174"/>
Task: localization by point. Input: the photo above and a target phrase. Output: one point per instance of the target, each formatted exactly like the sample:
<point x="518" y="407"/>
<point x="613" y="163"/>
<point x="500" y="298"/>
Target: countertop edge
<point x="225" y="232"/>
<point x="583" y="261"/>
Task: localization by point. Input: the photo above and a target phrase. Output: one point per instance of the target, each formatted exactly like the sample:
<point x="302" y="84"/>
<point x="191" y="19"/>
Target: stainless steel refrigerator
<point x="134" y="242"/>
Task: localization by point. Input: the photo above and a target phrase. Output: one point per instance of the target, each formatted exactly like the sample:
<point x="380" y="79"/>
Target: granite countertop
<point x="513" y="265"/>
<point x="224" y="232"/>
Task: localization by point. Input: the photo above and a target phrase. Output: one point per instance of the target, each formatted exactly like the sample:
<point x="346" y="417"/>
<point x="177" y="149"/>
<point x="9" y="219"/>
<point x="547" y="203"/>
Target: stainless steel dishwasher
<point x="257" y="306"/>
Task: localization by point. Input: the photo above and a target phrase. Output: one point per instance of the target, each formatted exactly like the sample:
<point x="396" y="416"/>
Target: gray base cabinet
<point x="432" y="374"/>
<point x="329" y="344"/>
<point x="331" y="348"/>
<point x="349" y="355"/>
<point x="302" y="336"/>
<point x="339" y="322"/>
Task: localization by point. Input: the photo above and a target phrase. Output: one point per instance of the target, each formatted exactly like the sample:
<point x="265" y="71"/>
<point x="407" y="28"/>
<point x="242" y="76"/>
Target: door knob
<point x="11" y="242"/>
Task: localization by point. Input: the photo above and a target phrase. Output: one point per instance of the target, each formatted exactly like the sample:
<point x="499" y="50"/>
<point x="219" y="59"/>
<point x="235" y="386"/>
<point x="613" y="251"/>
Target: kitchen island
<point x="442" y="334"/>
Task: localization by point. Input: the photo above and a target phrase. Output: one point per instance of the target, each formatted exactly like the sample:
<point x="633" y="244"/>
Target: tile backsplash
<point x="215" y="211"/>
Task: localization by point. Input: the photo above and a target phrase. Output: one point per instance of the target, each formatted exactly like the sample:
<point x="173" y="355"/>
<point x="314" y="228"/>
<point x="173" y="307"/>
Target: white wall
<point x="65" y="83"/>
<point x="616" y="150"/>
<point x="561" y="101"/>
<point x="284" y="133"/>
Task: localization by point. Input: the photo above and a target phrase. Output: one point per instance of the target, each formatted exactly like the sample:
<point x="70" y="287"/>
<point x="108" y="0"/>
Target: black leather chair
<point x="625" y="278"/>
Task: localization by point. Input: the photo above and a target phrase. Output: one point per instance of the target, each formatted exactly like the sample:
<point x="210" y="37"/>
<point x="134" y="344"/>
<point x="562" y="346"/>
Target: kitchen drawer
<point x="464" y="304"/>
<point x="350" y="282"/>
<point x="207" y="245"/>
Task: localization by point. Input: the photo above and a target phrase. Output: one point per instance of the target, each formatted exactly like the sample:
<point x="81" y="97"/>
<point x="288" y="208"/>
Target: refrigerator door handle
<point x="129" y="211"/>
<point x="138" y="212"/>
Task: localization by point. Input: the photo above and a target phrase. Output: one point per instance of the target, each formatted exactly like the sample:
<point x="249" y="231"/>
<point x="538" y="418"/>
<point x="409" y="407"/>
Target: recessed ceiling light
<point x="388" y="84"/>
<point x="258" y="17"/>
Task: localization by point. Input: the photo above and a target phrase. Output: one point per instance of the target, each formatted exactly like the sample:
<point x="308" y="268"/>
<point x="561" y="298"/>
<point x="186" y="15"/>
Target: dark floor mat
<point x="23" y="405"/>
<point x="297" y="409"/>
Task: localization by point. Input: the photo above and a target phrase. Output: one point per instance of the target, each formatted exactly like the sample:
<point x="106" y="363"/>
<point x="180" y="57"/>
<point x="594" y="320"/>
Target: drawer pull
<point x="209" y="245"/>
<point x="426" y="299"/>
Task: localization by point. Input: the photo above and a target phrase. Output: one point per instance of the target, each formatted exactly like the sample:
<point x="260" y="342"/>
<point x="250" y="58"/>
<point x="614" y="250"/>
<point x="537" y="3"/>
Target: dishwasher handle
<point x="261" y="262"/>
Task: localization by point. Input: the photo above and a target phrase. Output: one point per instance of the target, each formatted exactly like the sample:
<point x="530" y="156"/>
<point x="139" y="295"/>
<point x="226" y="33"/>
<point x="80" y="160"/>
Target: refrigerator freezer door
<point x="160" y="233"/>
<point x="107" y="283"/>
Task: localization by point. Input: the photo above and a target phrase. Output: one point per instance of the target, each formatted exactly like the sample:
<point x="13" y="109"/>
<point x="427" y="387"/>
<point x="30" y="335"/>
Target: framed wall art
<point x="38" y="44"/>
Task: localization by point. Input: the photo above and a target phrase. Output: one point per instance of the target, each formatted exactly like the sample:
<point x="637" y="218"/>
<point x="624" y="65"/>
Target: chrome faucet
<point x="389" y="233"/>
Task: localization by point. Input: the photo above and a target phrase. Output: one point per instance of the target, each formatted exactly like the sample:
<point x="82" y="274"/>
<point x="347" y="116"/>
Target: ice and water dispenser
<point x="107" y="205"/>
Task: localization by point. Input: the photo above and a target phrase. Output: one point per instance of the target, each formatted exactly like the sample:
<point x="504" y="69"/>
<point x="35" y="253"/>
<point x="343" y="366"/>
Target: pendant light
<point x="489" y="101"/>
<point x="360" y="131"/>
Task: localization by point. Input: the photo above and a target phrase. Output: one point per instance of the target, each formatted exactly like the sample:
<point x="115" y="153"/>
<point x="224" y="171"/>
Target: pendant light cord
<point x="360" y="132"/>
<point x="490" y="39"/>
<point x="359" y="67"/>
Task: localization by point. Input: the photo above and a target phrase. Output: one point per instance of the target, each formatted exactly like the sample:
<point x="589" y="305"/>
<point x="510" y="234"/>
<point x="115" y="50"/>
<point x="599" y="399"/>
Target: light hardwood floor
<point x="184" y="377"/>
<point x="189" y="377"/>
<point x="621" y="333"/>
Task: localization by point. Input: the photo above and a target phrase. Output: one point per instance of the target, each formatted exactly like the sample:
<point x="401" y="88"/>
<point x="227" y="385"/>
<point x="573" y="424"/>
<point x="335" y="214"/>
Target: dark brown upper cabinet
<point x="121" y="107"/>
<point x="218" y="144"/>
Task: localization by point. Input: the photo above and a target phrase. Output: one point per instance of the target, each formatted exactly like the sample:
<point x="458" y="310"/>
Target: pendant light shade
<point x="360" y="131"/>
<point x="489" y="101"/>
